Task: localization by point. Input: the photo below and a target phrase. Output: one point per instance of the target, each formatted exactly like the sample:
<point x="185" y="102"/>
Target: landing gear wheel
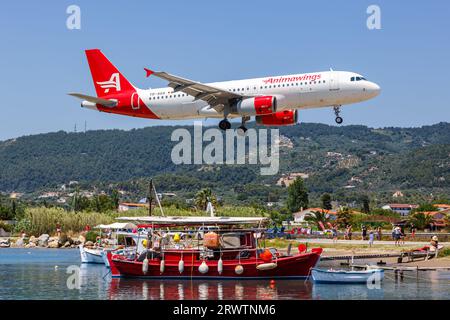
<point x="337" y="111"/>
<point x="224" y="124"/>
<point x="241" y="131"/>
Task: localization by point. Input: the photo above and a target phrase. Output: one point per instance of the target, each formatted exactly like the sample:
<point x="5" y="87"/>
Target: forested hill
<point x="334" y="157"/>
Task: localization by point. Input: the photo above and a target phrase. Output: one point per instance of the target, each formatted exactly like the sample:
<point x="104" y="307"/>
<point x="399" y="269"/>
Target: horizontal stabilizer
<point x="103" y="102"/>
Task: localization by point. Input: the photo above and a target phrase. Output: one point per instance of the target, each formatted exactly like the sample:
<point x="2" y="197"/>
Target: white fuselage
<point x="297" y="91"/>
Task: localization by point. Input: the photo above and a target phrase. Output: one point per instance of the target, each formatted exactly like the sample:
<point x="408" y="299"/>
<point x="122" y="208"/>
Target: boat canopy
<point x="117" y="226"/>
<point x="198" y="221"/>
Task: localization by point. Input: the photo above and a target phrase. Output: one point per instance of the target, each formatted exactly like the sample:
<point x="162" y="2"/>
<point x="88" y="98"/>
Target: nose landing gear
<point x="337" y="111"/>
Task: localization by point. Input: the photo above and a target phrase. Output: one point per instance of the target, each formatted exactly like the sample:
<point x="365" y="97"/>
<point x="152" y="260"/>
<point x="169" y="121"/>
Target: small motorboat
<point x="5" y="243"/>
<point x="345" y="276"/>
<point x="91" y="255"/>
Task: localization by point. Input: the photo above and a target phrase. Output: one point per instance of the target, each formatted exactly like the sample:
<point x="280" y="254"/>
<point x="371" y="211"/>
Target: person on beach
<point x="371" y="237"/>
<point x="397" y="235"/>
<point x="334" y="231"/>
<point x="349" y="232"/>
<point x="58" y="230"/>
<point x="413" y="231"/>
<point x="379" y="234"/>
<point x="434" y="245"/>
<point x="364" y="232"/>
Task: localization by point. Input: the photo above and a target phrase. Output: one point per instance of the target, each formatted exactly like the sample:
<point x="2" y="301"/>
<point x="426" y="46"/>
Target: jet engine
<point x="257" y="106"/>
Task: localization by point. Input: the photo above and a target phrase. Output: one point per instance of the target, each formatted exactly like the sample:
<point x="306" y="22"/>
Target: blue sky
<point x="41" y="60"/>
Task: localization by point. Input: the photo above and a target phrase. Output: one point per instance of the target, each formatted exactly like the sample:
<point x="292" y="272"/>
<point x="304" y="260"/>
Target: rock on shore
<point x="45" y="241"/>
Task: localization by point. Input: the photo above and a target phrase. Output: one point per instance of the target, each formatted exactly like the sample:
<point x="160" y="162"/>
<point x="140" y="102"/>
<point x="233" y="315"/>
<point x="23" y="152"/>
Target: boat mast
<point x="150" y="190"/>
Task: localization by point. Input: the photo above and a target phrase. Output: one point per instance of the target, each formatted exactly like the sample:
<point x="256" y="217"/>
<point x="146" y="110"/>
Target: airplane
<point x="273" y="100"/>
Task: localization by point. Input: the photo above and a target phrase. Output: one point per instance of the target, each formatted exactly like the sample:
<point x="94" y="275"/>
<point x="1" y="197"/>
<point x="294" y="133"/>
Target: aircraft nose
<point x="374" y="89"/>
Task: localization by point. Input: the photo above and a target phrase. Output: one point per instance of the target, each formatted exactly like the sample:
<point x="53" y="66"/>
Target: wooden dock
<point x="402" y="268"/>
<point x="362" y="256"/>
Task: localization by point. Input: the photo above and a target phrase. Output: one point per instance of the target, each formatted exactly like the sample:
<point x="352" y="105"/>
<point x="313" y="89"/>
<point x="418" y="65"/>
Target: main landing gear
<point x="243" y="129"/>
<point x="337" y="111"/>
<point x="225" y="125"/>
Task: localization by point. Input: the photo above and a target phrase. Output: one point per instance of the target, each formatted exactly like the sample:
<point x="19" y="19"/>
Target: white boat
<point x="344" y="276"/>
<point x="91" y="255"/>
<point x="99" y="254"/>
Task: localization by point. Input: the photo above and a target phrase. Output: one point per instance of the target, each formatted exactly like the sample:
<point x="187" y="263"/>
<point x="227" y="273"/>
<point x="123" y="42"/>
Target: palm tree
<point x="421" y="220"/>
<point x="317" y="217"/>
<point x="203" y="196"/>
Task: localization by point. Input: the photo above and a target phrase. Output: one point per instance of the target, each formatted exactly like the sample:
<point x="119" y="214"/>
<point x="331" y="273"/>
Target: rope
<point x="106" y="274"/>
<point x="307" y="276"/>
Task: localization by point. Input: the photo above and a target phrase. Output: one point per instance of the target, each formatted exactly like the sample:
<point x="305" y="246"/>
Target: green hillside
<point x="345" y="160"/>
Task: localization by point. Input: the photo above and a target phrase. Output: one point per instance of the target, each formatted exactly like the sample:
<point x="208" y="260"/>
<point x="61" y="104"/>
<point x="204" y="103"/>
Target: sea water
<point x="32" y="274"/>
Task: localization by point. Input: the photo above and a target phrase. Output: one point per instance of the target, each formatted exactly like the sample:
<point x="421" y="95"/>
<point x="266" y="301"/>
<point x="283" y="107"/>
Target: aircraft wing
<point x="215" y="97"/>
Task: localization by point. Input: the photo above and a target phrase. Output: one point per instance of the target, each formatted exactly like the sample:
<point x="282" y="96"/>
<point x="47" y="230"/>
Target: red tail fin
<point x="107" y="79"/>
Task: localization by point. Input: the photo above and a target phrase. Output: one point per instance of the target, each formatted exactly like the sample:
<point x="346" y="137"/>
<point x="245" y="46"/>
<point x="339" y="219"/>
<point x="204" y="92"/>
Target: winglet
<point x="148" y="72"/>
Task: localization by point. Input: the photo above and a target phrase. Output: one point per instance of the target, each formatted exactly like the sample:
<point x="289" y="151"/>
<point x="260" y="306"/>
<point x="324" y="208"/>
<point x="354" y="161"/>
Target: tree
<point x="203" y="196"/>
<point x="365" y="204"/>
<point x="297" y="196"/>
<point x="317" y="217"/>
<point x="420" y="220"/>
<point x="423" y="207"/>
<point x="344" y="217"/>
<point x="326" y="201"/>
<point x="115" y="199"/>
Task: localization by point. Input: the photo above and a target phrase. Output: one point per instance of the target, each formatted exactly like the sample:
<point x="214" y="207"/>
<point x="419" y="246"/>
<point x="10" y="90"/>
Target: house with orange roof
<point x="442" y="207"/>
<point x="403" y="209"/>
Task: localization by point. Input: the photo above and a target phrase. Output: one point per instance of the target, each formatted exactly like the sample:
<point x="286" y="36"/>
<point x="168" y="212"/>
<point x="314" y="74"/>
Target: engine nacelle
<point x="280" y="118"/>
<point x="257" y="106"/>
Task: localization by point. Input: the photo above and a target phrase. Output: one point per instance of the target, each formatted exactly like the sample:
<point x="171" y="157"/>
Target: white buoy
<point x="162" y="266"/>
<point x="220" y="266"/>
<point x="145" y="266"/>
<point x="266" y="266"/>
<point x="203" y="268"/>
<point x="181" y="266"/>
<point x="239" y="269"/>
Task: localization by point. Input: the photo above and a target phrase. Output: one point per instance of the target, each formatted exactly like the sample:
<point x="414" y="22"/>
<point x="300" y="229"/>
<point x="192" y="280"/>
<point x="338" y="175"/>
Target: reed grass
<point x="39" y="220"/>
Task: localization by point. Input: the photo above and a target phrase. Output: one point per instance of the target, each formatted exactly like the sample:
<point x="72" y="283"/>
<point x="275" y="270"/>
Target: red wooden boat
<point x="229" y="252"/>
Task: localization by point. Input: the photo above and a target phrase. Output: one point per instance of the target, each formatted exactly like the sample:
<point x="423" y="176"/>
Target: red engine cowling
<point x="280" y="118"/>
<point x="257" y="106"/>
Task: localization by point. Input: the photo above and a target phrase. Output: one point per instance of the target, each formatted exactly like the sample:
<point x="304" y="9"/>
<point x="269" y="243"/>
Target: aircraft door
<point x="135" y="101"/>
<point x="334" y="81"/>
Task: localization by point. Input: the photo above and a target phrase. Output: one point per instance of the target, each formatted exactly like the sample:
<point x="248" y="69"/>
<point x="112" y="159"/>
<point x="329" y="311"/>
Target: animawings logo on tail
<point x="113" y="82"/>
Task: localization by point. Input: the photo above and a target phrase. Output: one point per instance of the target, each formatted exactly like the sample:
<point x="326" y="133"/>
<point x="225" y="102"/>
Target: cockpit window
<point x="357" y="78"/>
